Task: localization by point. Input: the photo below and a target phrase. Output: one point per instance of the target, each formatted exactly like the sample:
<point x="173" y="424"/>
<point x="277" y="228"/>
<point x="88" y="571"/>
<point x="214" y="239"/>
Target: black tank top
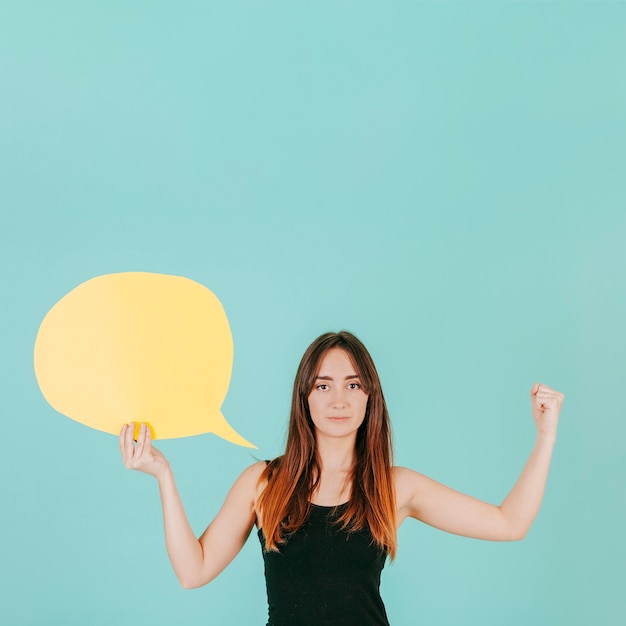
<point x="324" y="575"/>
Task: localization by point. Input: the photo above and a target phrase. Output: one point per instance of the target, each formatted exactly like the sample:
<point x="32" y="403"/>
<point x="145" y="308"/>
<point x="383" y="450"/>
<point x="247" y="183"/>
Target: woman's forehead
<point x="337" y="362"/>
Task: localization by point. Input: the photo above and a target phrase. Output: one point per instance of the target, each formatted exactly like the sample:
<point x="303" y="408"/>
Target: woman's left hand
<point x="546" y="406"/>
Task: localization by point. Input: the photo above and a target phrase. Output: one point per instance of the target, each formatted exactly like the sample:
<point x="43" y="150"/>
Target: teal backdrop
<point x="446" y="180"/>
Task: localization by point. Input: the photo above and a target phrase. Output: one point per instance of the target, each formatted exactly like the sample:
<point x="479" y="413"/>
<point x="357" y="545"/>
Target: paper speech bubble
<point x="138" y="347"/>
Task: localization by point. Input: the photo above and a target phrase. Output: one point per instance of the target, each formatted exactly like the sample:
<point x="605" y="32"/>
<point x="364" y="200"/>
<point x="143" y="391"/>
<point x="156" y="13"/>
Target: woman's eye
<point x="322" y="387"/>
<point x="354" y="386"/>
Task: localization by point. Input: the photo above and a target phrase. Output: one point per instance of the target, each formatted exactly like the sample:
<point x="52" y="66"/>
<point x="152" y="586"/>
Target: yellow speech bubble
<point x="138" y="347"/>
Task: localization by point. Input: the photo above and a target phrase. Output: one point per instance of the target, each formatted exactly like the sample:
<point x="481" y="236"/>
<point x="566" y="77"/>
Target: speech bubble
<point x="140" y="347"/>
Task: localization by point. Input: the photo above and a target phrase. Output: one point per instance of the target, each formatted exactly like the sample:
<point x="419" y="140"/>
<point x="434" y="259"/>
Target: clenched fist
<point x="546" y="406"/>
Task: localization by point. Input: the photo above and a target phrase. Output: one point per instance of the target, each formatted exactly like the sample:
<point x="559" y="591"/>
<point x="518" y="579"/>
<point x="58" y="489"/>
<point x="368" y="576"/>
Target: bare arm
<point x="435" y="504"/>
<point x="195" y="561"/>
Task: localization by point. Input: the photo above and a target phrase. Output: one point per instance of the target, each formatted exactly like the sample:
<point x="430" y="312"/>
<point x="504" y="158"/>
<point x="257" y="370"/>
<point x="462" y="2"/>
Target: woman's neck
<point x="335" y="454"/>
<point x="336" y="457"/>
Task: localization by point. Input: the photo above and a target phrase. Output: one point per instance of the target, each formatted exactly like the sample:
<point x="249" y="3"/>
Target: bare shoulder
<point x="241" y="499"/>
<point x="248" y="480"/>
<point x="407" y="482"/>
<point x="255" y="470"/>
<point x="253" y="486"/>
<point x="404" y="475"/>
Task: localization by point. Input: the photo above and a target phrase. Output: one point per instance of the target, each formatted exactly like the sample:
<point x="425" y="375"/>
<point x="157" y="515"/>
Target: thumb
<point x="534" y="390"/>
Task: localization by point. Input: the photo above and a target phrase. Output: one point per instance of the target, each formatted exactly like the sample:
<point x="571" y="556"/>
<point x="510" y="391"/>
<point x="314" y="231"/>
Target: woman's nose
<point x="339" y="398"/>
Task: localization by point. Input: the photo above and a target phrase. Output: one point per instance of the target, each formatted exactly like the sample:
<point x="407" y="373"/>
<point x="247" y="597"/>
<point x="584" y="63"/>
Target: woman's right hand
<point x="141" y="456"/>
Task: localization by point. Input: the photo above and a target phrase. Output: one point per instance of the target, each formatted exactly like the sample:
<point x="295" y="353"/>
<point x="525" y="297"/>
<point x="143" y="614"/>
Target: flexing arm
<point x="195" y="561"/>
<point x="435" y="504"/>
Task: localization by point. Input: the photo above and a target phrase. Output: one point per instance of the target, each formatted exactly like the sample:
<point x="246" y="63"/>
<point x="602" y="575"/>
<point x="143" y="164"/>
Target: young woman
<point x="327" y="511"/>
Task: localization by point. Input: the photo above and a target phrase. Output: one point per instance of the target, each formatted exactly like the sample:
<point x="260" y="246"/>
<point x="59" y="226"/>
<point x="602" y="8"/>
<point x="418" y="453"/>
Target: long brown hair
<point x="293" y="477"/>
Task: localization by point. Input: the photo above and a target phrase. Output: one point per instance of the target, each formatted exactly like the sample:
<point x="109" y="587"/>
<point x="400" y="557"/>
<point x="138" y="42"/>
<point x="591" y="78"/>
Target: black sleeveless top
<point x="324" y="575"/>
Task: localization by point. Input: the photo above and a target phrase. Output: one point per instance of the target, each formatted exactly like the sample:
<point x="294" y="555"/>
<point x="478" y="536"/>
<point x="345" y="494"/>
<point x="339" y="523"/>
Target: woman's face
<point x="337" y="402"/>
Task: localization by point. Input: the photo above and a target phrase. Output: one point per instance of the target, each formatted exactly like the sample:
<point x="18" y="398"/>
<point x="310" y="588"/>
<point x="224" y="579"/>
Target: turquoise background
<point x="446" y="180"/>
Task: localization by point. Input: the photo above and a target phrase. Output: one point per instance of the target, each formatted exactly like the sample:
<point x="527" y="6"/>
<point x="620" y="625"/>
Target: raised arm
<point x="195" y="561"/>
<point x="437" y="505"/>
